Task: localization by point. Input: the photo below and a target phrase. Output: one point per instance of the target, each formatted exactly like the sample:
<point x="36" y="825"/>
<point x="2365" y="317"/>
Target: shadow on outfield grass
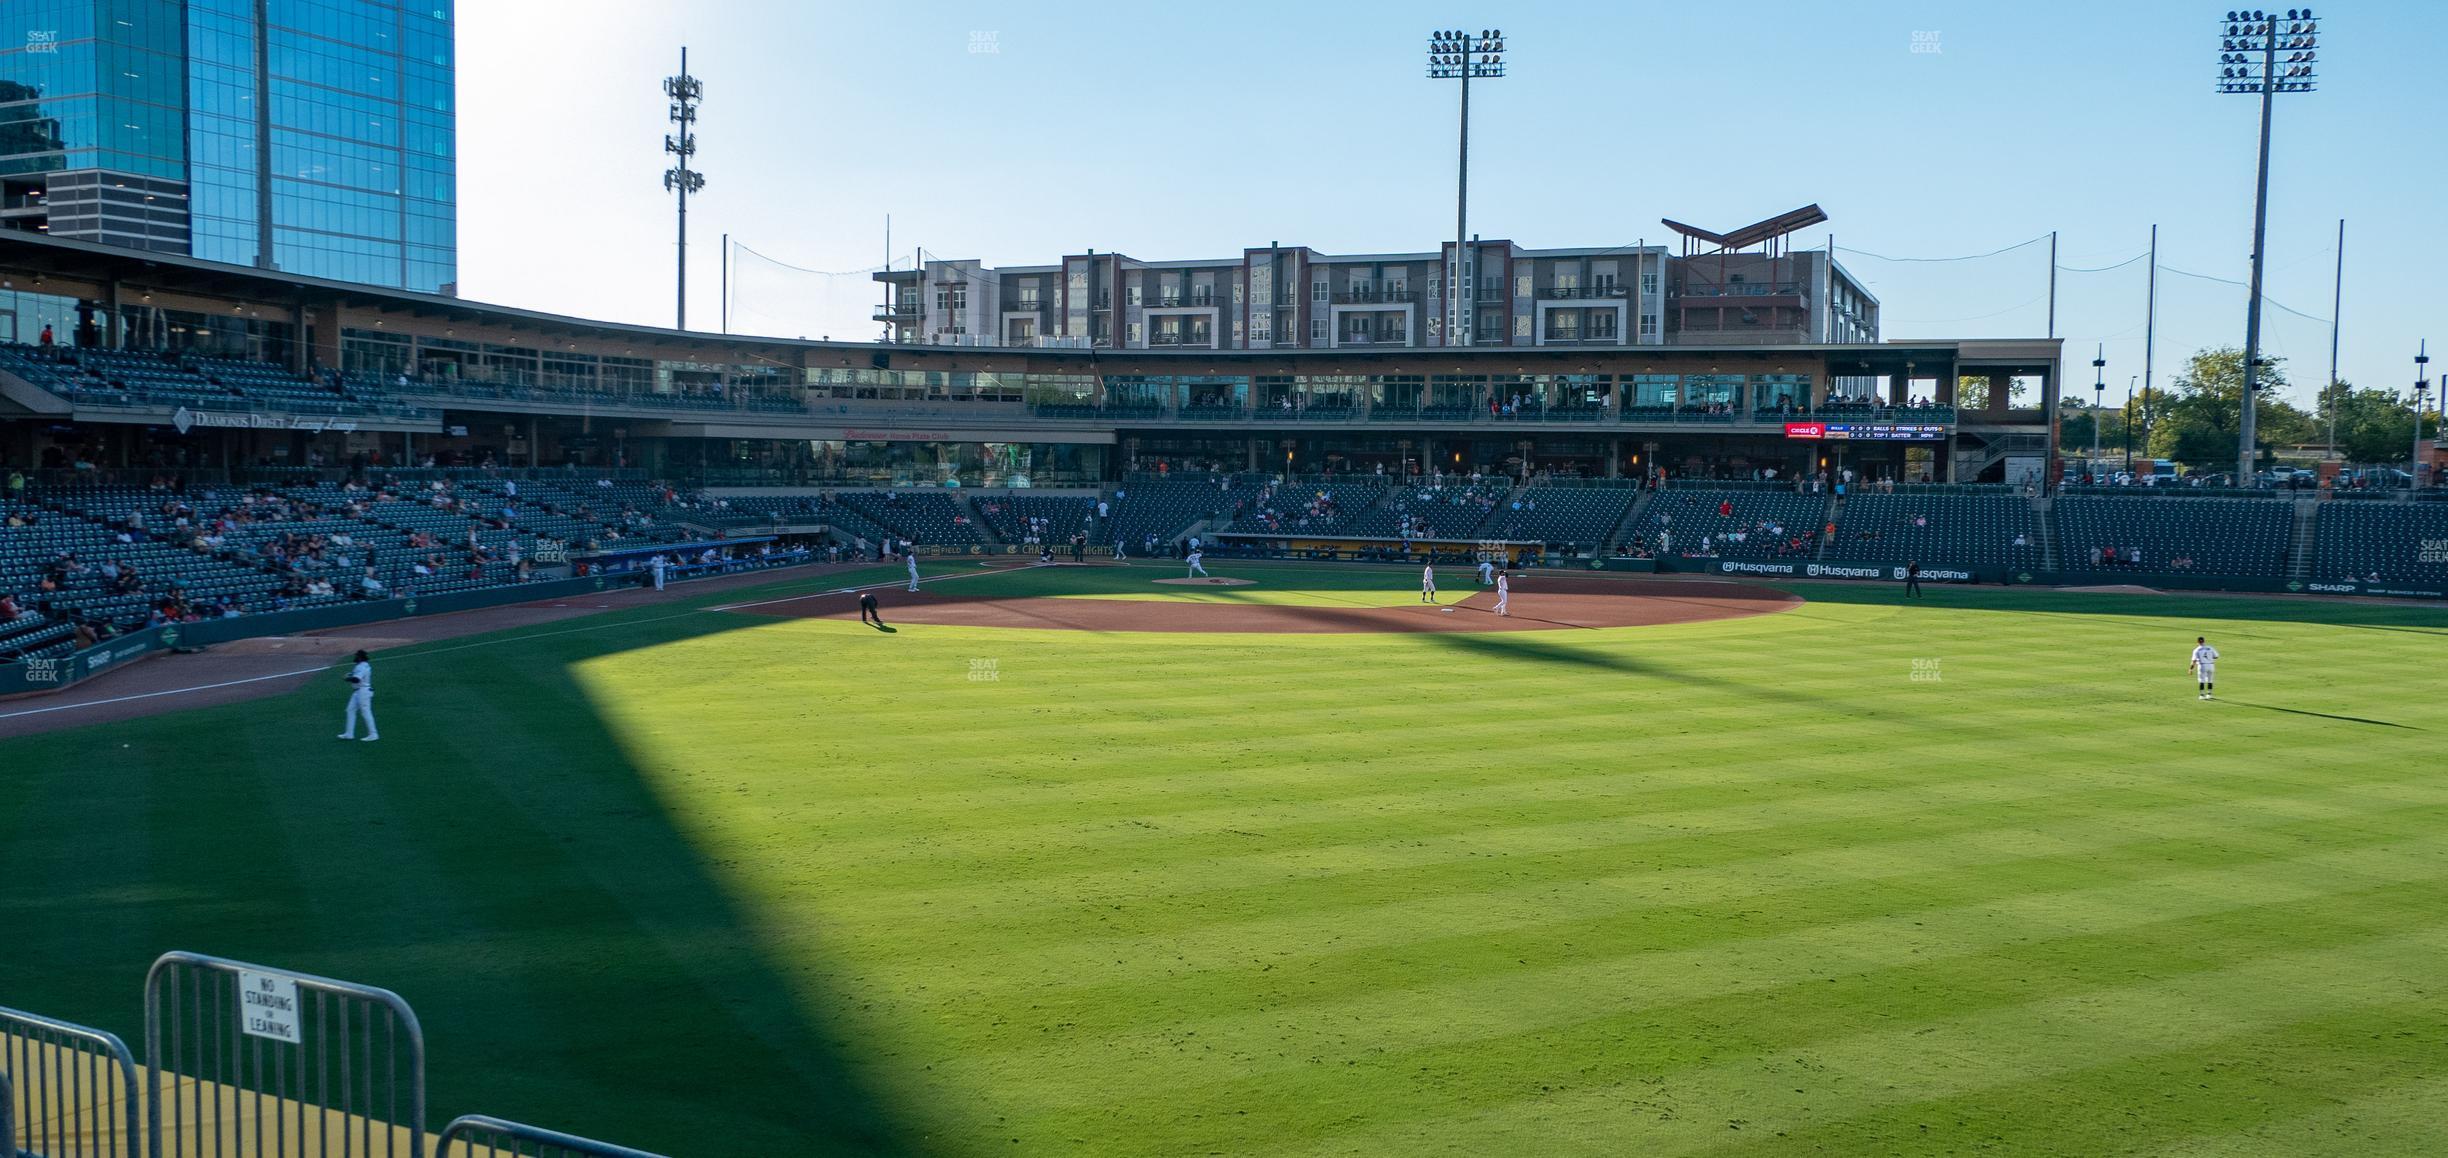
<point x="2338" y="612"/>
<point x="575" y="957"/>
<point x="2322" y="715"/>
<point x="1519" y="647"/>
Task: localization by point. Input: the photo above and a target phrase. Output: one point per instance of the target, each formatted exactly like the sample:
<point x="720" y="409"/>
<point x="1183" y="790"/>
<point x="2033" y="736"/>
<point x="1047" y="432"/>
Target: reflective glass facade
<point x="311" y="136"/>
<point x="92" y="141"/>
<point x="338" y="118"/>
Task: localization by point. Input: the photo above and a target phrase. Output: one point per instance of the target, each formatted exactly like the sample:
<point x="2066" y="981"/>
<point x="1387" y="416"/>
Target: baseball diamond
<point x="1082" y="620"/>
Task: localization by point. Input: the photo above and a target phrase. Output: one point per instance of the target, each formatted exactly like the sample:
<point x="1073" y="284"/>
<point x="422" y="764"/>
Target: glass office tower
<point x="316" y="137"/>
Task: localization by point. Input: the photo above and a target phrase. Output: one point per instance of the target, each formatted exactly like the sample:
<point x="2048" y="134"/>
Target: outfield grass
<point x="718" y="884"/>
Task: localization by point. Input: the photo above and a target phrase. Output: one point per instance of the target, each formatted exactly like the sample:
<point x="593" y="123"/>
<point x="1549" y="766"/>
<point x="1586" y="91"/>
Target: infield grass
<point x="1975" y="873"/>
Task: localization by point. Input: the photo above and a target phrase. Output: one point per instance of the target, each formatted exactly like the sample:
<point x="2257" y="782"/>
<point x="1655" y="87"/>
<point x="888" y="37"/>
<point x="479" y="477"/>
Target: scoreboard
<point x="1865" y="432"/>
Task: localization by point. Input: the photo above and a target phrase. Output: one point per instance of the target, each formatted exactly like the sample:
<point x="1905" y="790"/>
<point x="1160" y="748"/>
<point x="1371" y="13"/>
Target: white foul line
<point x="408" y="653"/>
<point x="168" y="692"/>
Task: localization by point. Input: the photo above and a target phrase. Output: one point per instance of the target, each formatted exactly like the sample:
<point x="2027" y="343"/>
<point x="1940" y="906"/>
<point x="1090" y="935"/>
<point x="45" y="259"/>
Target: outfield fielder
<point x="1487" y="572"/>
<point x="2205" y="664"/>
<point x="1197" y="561"/>
<point x="1504" y="592"/>
<point x="913" y="569"/>
<point x="1428" y="583"/>
<point x="361" y="700"/>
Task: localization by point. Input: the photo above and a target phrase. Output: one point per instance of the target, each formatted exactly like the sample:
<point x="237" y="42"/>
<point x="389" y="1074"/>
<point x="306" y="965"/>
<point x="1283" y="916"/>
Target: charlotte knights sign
<point x="187" y="419"/>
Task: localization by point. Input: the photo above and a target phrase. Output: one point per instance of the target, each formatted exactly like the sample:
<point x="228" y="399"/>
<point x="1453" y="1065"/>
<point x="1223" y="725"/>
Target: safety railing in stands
<point x="479" y="1136"/>
<point x="244" y="1059"/>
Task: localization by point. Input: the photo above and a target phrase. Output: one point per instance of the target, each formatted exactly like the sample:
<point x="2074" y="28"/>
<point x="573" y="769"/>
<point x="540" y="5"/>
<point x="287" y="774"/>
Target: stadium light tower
<point x="684" y="91"/>
<point x="2250" y="44"/>
<point x="1454" y="54"/>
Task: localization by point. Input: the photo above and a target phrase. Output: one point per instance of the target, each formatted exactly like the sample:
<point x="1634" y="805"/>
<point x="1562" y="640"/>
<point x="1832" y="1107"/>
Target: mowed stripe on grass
<point x="1744" y="886"/>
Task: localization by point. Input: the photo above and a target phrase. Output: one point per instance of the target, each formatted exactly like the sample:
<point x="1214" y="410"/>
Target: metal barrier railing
<point x="8" y="1127"/>
<point x="249" y="1059"/>
<point x="477" y="1134"/>
<point x="78" y="1086"/>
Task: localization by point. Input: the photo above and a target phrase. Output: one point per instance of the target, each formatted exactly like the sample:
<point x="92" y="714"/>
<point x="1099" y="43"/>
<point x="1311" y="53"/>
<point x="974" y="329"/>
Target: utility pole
<point x="2052" y="330"/>
<point x="684" y="91"/>
<point x="2337" y="303"/>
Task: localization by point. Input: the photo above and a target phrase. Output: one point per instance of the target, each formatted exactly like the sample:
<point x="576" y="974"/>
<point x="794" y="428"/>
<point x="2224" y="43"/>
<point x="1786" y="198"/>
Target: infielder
<point x="361" y="700"/>
<point x="2205" y="664"/>
<point x="1504" y="592"/>
<point x="913" y="570"/>
<point x="1428" y="583"/>
<point x="1198" y="566"/>
<point x="867" y="609"/>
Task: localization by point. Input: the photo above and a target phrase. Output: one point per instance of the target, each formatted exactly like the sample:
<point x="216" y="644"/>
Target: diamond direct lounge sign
<point x="186" y="419"/>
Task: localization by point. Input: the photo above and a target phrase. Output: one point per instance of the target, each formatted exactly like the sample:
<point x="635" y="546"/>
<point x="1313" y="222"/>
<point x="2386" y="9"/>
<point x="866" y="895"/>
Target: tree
<point x="1972" y="391"/>
<point x="2198" y="426"/>
<point x="2373" y="426"/>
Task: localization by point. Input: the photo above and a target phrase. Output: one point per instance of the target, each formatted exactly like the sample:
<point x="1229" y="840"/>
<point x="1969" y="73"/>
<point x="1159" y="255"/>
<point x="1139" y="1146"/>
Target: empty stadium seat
<point x="2246" y="538"/>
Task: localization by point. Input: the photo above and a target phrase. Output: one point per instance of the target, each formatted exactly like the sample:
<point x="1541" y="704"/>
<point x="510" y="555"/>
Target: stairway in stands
<point x="966" y="503"/>
<point x="1834" y="515"/>
<point x="1627" y="526"/>
<point x="2042" y="509"/>
<point x="2299" y="548"/>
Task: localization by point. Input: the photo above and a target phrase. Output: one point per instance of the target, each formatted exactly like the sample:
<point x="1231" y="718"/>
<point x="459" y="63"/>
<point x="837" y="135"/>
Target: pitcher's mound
<point x="1215" y="581"/>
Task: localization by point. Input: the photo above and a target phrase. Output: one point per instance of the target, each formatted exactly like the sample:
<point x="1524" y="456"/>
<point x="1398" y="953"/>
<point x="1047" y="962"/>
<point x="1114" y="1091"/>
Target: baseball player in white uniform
<point x="913" y="569"/>
<point x="1504" y="592"/>
<point x="1428" y="583"/>
<point x="361" y="700"/>
<point x="1197" y="560"/>
<point x="1487" y="572"/>
<point x="2205" y="664"/>
<point x="658" y="564"/>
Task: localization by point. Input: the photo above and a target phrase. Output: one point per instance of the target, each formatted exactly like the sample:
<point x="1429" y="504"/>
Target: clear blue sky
<point x="1016" y="134"/>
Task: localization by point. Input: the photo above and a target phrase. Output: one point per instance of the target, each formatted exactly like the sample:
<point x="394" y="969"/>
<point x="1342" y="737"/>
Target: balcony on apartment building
<point x="1194" y="339"/>
<point x="1581" y="336"/>
<point x="1569" y="293"/>
<point x="897" y="312"/>
<point x="1363" y="297"/>
<point x="1195" y="298"/>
